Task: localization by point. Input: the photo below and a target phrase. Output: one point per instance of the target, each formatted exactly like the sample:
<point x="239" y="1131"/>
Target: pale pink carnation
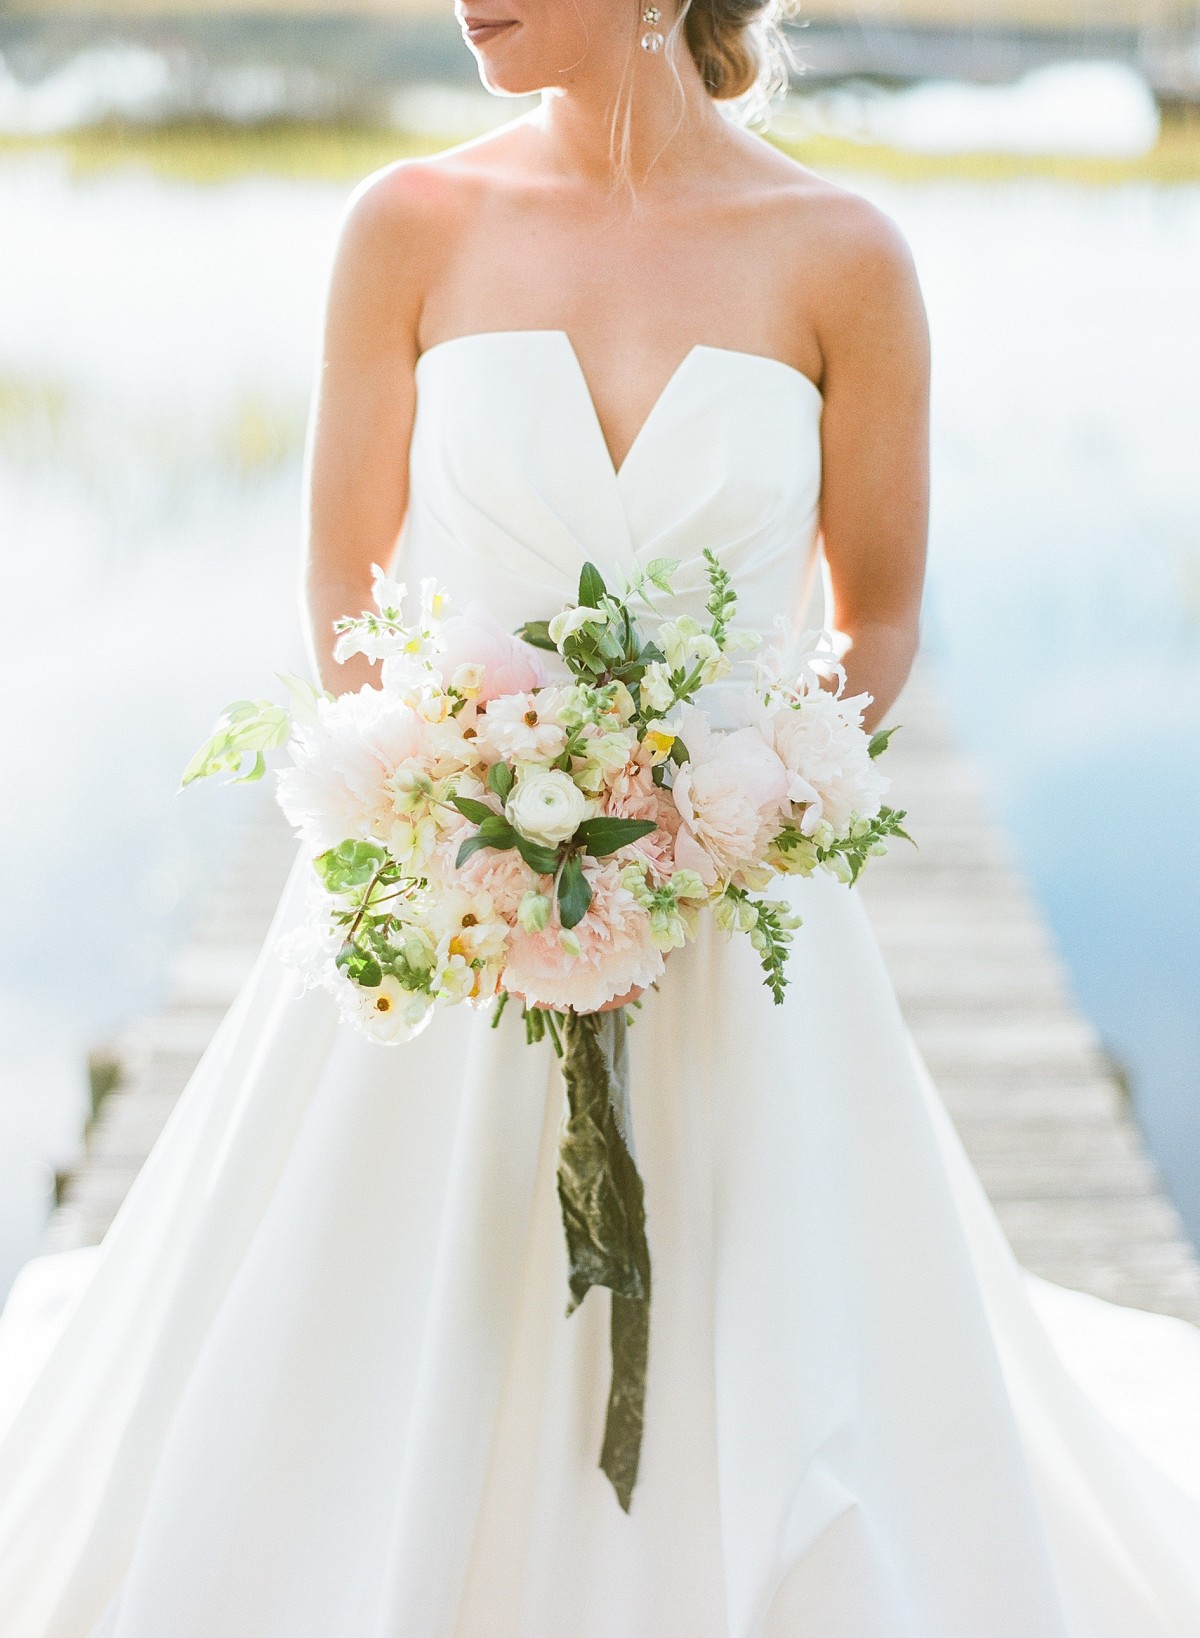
<point x="830" y="769"/>
<point x="730" y="796"/>
<point x="499" y="872"/>
<point x="617" y="952"/>
<point x="634" y="795"/>
<point x="476" y="637"/>
<point x="337" y="786"/>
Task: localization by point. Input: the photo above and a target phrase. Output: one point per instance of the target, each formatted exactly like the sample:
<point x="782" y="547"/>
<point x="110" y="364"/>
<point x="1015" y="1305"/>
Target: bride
<point x="317" y="1381"/>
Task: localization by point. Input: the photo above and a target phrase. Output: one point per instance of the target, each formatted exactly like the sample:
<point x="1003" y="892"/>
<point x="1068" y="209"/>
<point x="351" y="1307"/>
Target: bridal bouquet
<point x="485" y="828"/>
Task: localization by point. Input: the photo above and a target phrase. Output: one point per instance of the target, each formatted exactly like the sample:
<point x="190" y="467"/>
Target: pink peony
<point x="337" y="785"/>
<point x="730" y="796"/>
<point x="476" y="637"/>
<point x="617" y="953"/>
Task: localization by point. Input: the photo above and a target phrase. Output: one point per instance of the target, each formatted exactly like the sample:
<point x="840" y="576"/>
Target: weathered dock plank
<point x="1025" y="1078"/>
<point x="1036" y="1101"/>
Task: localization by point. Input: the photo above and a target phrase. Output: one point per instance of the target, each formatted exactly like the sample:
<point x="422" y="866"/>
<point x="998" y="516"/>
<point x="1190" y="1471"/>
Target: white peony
<point x="831" y="773"/>
<point x="546" y="806"/>
<point x="339" y="783"/>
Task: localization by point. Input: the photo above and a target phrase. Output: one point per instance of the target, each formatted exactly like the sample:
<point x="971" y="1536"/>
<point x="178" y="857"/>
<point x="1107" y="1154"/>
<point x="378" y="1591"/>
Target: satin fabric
<point x="318" y="1381"/>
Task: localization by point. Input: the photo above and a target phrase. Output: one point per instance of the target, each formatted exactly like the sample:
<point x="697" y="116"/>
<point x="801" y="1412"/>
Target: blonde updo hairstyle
<point x="736" y="45"/>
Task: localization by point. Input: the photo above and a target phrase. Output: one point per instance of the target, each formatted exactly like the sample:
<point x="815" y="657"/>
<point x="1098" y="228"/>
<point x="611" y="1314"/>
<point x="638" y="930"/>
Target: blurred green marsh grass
<point x="212" y="152"/>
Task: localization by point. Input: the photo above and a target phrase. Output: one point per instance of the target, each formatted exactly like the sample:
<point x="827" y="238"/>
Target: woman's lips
<point x="478" y="31"/>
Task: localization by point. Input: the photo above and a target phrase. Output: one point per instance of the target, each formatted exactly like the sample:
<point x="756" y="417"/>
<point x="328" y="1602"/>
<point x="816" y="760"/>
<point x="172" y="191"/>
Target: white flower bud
<point x="533" y="912"/>
<point x="467" y="680"/>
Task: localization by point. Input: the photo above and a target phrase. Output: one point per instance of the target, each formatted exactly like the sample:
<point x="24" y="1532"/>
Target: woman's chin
<point x="507" y="81"/>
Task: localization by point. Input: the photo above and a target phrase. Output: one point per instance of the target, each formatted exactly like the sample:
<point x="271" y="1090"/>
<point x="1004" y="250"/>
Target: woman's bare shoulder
<point x="851" y="267"/>
<point x="403" y="224"/>
<point x="836" y="231"/>
<point x="413" y="197"/>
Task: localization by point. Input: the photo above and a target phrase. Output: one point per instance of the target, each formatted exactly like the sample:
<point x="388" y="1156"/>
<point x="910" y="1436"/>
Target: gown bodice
<point x="512" y="486"/>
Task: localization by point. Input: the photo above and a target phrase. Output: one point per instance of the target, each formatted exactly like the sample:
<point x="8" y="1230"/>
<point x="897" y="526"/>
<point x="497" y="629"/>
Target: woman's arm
<point x="875" y="439"/>
<point x="356" y="468"/>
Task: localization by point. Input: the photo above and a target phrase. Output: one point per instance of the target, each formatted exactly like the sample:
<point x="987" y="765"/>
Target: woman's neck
<point x="669" y="122"/>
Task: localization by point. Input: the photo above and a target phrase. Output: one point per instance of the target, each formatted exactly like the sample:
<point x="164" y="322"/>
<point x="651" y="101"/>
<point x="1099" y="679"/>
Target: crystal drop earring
<point x="652" y="40"/>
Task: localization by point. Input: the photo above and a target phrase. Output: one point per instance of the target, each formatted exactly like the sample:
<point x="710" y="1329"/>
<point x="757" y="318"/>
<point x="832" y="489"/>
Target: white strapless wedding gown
<point x="318" y="1382"/>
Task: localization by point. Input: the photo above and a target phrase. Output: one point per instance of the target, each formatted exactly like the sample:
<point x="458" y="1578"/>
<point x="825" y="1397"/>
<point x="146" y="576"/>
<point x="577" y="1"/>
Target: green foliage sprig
<point x="769" y="924"/>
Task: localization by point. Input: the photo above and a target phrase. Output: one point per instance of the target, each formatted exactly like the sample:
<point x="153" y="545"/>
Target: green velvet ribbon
<point x="604" y="1220"/>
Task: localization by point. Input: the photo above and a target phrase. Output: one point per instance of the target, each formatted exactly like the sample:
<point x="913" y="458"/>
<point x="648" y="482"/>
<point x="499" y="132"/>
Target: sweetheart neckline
<point x="618" y="469"/>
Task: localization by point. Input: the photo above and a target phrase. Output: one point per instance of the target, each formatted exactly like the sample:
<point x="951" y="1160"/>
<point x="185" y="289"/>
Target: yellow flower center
<point x="531" y="719"/>
<point x="383" y="1003"/>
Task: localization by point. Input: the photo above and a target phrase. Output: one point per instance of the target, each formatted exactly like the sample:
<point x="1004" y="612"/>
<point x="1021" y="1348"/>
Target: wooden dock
<point x="1038" y="1105"/>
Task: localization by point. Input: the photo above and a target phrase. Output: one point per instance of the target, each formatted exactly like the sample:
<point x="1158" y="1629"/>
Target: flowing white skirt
<point x="318" y="1381"/>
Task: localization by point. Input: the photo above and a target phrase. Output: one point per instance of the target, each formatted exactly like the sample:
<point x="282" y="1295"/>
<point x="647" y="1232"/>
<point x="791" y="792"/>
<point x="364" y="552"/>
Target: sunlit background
<point x="169" y="189"/>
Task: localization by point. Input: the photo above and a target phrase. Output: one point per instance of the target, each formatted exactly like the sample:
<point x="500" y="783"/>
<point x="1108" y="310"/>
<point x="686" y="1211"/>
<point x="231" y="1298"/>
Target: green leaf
<point x="679" y="752"/>
<point x="360" y="966"/>
<point x="471" y="845"/>
<point x="542" y="859"/>
<point x="254" y="772"/>
<point x="537" y="634"/>
<point x="350" y="864"/>
<point x="476" y="812"/>
<point x="879" y="740"/>
<point x="304" y="697"/>
<point x="497" y="832"/>
<point x="611" y="644"/>
<point x="603" y="836"/>
<point x="574" y="894"/>
<point x="591" y="586"/>
<point x="659" y="571"/>
<point x="245" y="728"/>
<point x="501" y="779"/>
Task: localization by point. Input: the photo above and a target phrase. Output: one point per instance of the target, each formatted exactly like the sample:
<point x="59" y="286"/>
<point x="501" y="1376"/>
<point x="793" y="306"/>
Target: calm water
<point x="155" y="348"/>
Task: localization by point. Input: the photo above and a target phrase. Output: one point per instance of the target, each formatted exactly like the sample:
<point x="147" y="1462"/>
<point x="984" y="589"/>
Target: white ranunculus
<point x="546" y="806"/>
